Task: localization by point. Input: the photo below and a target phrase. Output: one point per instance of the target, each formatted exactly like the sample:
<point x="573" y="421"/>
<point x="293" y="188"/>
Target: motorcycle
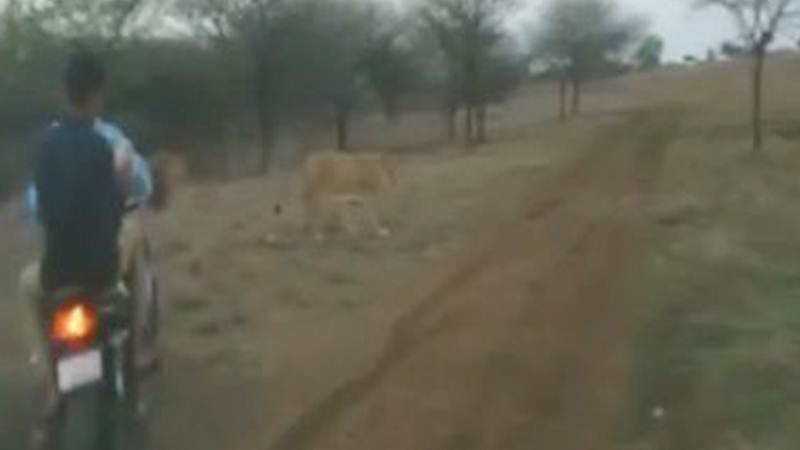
<point x="94" y="344"/>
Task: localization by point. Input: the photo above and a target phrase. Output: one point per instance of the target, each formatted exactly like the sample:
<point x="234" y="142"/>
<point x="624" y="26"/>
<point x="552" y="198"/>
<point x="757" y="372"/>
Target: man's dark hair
<point x="84" y="76"/>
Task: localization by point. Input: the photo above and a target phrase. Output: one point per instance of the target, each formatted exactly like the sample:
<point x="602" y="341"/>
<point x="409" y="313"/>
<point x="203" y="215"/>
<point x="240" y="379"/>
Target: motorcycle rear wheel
<point x="81" y="422"/>
<point x="97" y="417"/>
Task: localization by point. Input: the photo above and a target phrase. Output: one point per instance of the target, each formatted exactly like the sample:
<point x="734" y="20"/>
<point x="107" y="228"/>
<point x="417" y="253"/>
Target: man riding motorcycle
<point x="86" y="173"/>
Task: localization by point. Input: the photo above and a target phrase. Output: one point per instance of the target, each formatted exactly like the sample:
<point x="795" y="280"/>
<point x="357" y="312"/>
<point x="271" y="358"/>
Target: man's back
<point x="81" y="206"/>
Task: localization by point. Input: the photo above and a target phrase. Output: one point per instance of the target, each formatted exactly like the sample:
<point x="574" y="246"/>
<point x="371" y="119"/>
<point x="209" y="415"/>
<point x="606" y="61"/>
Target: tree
<point x="501" y="73"/>
<point x="560" y="70"/>
<point x="100" y="23"/>
<point x="266" y="27"/>
<point x="173" y="94"/>
<point x="270" y="34"/>
<point x="352" y="56"/>
<point x="388" y="66"/>
<point x="759" y="21"/>
<point x="584" y="35"/>
<point x="732" y="50"/>
<point x="310" y="55"/>
<point x="210" y="18"/>
<point x="649" y="54"/>
<point x="469" y="34"/>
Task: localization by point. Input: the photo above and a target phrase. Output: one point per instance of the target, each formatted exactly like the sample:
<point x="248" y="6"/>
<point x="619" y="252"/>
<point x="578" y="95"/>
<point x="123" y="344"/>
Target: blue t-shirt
<point x="80" y="205"/>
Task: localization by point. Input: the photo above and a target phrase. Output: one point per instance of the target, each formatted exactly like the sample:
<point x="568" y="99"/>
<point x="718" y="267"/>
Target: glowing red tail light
<point x="75" y="324"/>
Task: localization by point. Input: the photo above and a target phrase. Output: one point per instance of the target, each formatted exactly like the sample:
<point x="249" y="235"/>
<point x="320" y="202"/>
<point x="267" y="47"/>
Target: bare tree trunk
<point x="266" y="145"/>
<point x="758" y="75"/>
<point x="342" y="122"/>
<point x="265" y="127"/>
<point x="261" y="88"/>
<point x="468" y="128"/>
<point x="451" y="113"/>
<point x="481" y="122"/>
<point x="562" y="99"/>
<point x="576" y="96"/>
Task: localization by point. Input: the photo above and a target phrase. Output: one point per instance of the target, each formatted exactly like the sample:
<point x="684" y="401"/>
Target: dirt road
<point x="521" y="341"/>
<point x="526" y="344"/>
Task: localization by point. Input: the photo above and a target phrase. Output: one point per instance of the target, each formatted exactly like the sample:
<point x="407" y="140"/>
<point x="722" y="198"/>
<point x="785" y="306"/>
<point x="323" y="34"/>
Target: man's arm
<point x="32" y="202"/>
<point x="133" y="172"/>
<point x="123" y="172"/>
<point x="31" y="197"/>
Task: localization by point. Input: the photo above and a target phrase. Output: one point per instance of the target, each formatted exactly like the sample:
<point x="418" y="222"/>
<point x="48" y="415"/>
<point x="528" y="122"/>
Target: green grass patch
<point x="717" y="364"/>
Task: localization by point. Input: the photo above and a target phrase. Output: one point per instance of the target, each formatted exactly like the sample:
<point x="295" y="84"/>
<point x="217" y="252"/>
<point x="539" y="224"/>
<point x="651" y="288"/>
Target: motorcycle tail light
<point x="75" y="324"/>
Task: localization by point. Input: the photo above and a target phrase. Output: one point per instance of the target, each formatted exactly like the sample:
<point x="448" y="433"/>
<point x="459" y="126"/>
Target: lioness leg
<point x="312" y="210"/>
<point x="372" y="221"/>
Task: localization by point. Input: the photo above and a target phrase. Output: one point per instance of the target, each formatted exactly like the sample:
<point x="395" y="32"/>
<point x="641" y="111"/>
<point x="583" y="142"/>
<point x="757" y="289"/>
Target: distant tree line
<point x="586" y="39"/>
<point x="196" y="74"/>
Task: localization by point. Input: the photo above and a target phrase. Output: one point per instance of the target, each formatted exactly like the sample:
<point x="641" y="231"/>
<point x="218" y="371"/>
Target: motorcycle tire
<point x="81" y="423"/>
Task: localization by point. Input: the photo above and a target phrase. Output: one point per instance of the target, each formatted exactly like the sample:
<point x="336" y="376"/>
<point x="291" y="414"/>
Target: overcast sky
<point x="685" y="29"/>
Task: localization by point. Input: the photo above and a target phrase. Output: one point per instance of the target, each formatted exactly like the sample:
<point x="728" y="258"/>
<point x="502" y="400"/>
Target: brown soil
<point x="498" y="316"/>
<point x="527" y="343"/>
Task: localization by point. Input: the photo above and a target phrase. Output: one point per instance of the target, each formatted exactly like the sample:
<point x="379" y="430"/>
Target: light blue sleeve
<point x="142" y="178"/>
<point x="32" y="203"/>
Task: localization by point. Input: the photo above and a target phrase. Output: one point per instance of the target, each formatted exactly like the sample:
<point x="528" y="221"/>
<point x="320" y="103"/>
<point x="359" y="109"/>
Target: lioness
<point x="169" y="172"/>
<point x="350" y="184"/>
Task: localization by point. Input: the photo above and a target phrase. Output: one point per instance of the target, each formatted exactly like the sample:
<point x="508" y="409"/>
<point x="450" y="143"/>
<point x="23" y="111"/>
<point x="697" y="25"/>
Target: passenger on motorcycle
<point x="86" y="171"/>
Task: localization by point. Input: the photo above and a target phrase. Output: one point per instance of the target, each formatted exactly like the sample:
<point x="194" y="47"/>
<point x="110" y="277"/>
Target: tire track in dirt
<point x="406" y="335"/>
<point x="512" y="349"/>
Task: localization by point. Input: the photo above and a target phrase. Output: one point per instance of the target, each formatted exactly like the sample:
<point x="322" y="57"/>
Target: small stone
<point x="281" y="317"/>
<point x="433" y="253"/>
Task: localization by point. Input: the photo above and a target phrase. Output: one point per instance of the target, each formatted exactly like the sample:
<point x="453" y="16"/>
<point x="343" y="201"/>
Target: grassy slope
<point x="719" y="353"/>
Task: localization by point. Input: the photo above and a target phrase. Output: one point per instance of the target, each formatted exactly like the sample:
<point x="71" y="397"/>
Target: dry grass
<point x="721" y="339"/>
<point x="253" y="298"/>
